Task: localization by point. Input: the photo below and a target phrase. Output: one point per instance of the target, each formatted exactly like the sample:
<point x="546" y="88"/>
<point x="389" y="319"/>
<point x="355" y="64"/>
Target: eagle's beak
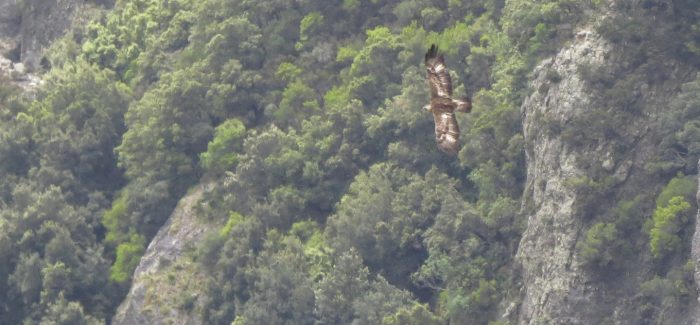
<point x="427" y="108"/>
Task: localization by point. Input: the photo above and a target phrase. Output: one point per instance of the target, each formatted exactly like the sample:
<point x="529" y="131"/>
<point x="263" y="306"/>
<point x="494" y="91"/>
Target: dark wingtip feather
<point x="432" y="52"/>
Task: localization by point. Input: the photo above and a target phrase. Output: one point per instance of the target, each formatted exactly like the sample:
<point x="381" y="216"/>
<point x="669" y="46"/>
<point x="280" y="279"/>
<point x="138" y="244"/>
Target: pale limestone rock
<point x="166" y="274"/>
<point x="552" y="279"/>
<point x="695" y="256"/>
<point x="556" y="289"/>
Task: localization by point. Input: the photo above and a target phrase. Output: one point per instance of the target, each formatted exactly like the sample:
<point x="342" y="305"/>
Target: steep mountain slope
<point x="166" y="281"/>
<point x="268" y="162"/>
<point x="694" y="314"/>
<point x="574" y="179"/>
<point x="27" y="28"/>
<point x="554" y="282"/>
<point x="9" y="25"/>
<point x="591" y="157"/>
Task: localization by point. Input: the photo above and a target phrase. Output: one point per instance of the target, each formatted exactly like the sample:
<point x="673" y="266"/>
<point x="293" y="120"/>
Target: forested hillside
<point x="326" y="197"/>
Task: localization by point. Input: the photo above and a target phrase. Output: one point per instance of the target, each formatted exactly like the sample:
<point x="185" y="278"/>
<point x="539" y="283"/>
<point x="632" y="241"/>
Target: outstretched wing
<point x="446" y="132"/>
<point x="438" y="76"/>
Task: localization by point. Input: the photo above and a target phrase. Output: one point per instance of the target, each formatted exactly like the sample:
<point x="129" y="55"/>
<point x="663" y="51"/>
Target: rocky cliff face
<point x="28" y="27"/>
<point x="166" y="282"/>
<point x="554" y="284"/>
<point x="695" y="255"/>
<point x="10" y="25"/>
<point x="43" y="22"/>
<point x="566" y="171"/>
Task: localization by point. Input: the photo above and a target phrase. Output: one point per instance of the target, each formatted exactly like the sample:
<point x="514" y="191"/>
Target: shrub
<point x="667" y="223"/>
<point x="128" y="257"/>
<point x="116" y="222"/>
<point x="680" y="185"/>
<point x="596" y="249"/>
<point x="221" y="152"/>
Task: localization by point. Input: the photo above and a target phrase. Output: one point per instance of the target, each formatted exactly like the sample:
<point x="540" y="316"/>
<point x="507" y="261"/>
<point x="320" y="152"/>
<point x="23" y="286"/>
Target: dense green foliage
<point x="221" y="151"/>
<point x="668" y="228"/>
<point x="667" y="223"/>
<point x="335" y="205"/>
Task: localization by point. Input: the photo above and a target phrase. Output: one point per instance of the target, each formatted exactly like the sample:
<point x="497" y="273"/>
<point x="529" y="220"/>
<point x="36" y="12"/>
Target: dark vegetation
<point x="337" y="206"/>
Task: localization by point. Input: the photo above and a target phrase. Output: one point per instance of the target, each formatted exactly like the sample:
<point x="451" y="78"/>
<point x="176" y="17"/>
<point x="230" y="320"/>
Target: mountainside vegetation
<point x="334" y="204"/>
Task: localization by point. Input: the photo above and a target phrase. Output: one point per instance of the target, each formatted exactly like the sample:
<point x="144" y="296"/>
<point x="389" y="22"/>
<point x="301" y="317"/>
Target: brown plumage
<point x="442" y="105"/>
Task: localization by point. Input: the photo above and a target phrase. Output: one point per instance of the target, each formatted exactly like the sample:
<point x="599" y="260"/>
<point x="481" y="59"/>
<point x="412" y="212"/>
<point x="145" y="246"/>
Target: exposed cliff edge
<point x="575" y="178"/>
<point x="554" y="283"/>
<point x="695" y="255"/>
<point x="10" y="26"/>
<point x="27" y="28"/>
<point x="165" y="284"/>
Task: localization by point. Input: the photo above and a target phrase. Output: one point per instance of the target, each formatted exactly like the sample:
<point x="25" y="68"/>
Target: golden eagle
<point x="442" y="105"/>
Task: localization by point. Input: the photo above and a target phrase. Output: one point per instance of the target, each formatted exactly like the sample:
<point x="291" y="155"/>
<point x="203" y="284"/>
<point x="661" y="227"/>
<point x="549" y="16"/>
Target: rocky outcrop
<point x="10" y="25"/>
<point x="28" y="27"/>
<point x="42" y="22"/>
<point x="166" y="284"/>
<point x="562" y="171"/>
<point x="18" y="75"/>
<point x="695" y="256"/>
<point x="554" y="285"/>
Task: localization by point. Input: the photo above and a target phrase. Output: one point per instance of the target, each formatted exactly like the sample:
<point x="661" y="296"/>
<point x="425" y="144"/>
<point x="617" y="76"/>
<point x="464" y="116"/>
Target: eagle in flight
<point x="442" y="105"/>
